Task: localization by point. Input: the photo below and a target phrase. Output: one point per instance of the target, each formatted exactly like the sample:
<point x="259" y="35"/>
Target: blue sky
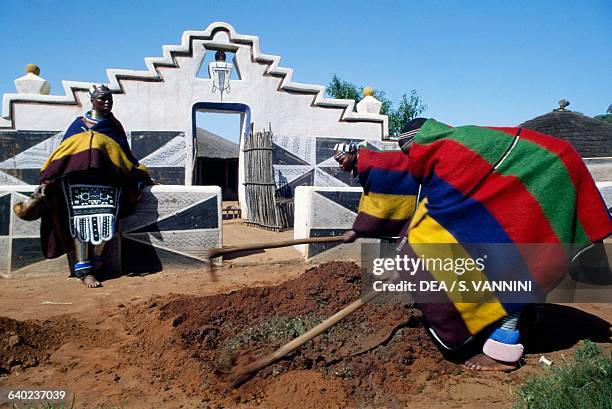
<point x="472" y="62"/>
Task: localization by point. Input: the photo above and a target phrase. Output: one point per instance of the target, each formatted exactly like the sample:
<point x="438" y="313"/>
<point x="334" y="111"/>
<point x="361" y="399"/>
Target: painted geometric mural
<point x="172" y="226"/>
<point x="22" y="154"/>
<point x="309" y="161"/>
<point x="19" y="240"/>
<point x="306" y="161"/>
<point x="163" y="152"/>
<point x="333" y="214"/>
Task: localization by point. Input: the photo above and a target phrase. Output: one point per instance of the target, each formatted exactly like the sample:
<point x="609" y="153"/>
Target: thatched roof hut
<point x="591" y="137"/>
<point x="213" y="146"/>
<point x="217" y="163"/>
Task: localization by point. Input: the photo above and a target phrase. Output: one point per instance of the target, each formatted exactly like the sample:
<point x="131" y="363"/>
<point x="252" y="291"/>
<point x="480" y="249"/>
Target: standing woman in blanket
<point x="86" y="184"/>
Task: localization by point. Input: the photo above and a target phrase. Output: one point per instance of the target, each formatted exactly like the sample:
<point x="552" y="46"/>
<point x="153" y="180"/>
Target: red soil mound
<point x="376" y="355"/>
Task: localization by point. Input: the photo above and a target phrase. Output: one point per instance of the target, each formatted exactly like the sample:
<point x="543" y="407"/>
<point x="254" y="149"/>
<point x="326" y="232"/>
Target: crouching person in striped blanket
<point x="89" y="181"/>
<point x="482" y="190"/>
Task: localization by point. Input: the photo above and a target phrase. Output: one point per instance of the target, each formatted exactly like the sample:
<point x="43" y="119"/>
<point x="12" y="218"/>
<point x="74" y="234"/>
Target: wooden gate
<point x="260" y="190"/>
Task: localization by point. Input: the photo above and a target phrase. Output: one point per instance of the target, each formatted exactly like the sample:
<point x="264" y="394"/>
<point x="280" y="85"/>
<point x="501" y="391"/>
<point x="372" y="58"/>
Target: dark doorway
<point x="219" y="172"/>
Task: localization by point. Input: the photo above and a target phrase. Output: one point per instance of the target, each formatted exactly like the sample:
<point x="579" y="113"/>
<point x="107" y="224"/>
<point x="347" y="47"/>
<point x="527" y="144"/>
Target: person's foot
<point x="483" y="362"/>
<point x="90" y="281"/>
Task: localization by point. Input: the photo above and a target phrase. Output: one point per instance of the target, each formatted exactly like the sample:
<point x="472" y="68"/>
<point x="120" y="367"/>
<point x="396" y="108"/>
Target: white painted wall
<point x="605" y="188"/>
<point x="165" y="101"/>
<point x="311" y="215"/>
<point x="600" y="168"/>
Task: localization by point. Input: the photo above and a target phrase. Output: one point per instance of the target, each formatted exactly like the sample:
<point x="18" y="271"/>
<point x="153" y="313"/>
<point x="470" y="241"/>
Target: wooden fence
<point x="264" y="210"/>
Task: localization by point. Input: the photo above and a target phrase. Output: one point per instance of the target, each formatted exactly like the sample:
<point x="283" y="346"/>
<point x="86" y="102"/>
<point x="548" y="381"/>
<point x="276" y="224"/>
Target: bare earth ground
<point x="166" y="339"/>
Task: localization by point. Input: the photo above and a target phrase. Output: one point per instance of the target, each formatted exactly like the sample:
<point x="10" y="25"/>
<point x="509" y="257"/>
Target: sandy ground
<point x="43" y="296"/>
<point x="96" y="332"/>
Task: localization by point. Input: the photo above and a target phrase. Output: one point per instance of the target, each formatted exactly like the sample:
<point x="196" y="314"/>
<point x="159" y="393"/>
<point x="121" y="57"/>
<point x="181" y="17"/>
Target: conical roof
<point x="591" y="137"/>
<point x="211" y="145"/>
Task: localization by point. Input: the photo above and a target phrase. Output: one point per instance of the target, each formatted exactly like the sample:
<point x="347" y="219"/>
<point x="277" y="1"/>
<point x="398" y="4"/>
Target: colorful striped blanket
<point x="102" y="147"/>
<point x="488" y="191"/>
<point x="100" y="151"/>
<point x="390" y="193"/>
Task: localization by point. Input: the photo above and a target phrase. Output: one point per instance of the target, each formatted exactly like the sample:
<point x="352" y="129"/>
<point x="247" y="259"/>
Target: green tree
<point x="607" y="116"/>
<point x="410" y="106"/>
<point x="343" y="89"/>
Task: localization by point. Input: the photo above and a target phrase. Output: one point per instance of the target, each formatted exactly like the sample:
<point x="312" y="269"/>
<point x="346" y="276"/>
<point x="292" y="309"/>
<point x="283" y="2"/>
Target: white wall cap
<point x="32" y="84"/>
<point x="369" y="105"/>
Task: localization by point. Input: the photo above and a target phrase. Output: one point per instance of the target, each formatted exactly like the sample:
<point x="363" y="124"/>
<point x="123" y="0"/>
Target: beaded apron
<point x="92" y="210"/>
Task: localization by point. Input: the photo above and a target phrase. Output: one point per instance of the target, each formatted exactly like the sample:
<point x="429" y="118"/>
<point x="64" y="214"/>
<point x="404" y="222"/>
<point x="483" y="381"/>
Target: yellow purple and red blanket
<point x="95" y="148"/>
<point x="100" y="146"/>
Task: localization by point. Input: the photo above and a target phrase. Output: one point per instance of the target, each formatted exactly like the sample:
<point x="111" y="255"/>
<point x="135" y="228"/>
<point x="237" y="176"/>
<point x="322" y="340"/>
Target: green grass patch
<point x="276" y="329"/>
<point x="272" y="329"/>
<point x="584" y="382"/>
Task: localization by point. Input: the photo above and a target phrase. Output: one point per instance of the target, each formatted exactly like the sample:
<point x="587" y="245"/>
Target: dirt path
<point x="38" y="296"/>
<point x="236" y="233"/>
<point x="41" y="297"/>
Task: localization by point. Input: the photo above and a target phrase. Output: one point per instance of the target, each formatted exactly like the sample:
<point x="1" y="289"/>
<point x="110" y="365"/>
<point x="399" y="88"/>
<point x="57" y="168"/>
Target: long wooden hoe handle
<point x="241" y="375"/>
<point x="219" y="251"/>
